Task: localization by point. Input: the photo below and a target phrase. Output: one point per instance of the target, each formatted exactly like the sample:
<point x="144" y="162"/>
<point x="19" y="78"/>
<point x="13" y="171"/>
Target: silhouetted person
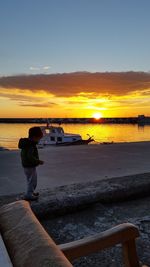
<point x="30" y="160"/>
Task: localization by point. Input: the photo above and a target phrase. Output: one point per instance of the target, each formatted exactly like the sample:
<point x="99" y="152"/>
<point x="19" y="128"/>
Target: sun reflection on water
<point x="10" y="133"/>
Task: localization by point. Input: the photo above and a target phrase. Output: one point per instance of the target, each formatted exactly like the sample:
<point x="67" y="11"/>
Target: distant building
<point x="142" y="119"/>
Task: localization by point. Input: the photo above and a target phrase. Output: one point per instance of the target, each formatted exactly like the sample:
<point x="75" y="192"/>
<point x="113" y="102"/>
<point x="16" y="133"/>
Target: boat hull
<point x="75" y="143"/>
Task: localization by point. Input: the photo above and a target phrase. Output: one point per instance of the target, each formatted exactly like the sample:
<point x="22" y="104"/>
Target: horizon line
<point x="64" y="118"/>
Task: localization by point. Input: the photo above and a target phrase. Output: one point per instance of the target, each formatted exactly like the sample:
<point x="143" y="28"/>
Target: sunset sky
<point x="74" y="58"/>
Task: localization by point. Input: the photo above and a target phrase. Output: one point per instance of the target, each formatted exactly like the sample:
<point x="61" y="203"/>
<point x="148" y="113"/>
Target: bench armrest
<point x="125" y="234"/>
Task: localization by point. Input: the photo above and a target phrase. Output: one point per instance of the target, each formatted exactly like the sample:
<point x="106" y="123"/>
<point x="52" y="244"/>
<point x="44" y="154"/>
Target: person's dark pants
<point x="31" y="176"/>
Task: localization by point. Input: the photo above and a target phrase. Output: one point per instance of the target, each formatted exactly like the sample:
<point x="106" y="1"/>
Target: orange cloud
<point x="78" y="94"/>
<point x="70" y="84"/>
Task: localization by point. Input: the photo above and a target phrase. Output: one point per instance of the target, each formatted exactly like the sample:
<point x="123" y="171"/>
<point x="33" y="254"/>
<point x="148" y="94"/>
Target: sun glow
<point x="97" y="115"/>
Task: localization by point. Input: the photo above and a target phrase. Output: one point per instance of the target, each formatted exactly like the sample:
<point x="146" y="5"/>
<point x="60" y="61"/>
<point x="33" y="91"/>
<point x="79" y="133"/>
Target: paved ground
<point x="67" y="165"/>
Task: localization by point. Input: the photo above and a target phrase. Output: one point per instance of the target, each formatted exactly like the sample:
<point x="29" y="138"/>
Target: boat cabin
<point x="53" y="135"/>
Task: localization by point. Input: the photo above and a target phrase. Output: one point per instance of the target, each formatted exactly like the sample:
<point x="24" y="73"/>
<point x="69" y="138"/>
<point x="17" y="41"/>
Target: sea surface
<point x="10" y="133"/>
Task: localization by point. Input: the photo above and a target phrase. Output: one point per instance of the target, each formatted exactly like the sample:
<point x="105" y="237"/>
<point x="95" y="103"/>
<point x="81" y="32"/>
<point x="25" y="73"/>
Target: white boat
<point x="53" y="135"/>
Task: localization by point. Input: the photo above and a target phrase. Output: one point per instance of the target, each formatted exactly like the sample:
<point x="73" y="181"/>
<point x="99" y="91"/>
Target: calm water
<point x="10" y="133"/>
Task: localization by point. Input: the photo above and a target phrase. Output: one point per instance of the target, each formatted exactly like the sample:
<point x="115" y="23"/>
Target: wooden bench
<point x="28" y="244"/>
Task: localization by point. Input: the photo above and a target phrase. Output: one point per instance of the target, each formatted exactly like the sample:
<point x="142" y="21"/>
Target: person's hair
<point x="35" y="132"/>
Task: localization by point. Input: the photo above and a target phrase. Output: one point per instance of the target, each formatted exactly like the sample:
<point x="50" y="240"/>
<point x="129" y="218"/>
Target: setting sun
<point x="97" y="115"/>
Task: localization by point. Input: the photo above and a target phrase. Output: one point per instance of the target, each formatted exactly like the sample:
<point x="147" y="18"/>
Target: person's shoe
<point x="36" y="194"/>
<point x="32" y="198"/>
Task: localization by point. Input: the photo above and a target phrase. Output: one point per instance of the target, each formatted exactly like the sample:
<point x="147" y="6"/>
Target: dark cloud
<point x="17" y="96"/>
<point x="70" y="84"/>
<point x="38" y="105"/>
<point x="28" y="101"/>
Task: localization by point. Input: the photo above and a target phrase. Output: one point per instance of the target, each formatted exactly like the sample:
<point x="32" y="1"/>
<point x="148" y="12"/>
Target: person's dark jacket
<point x="29" y="153"/>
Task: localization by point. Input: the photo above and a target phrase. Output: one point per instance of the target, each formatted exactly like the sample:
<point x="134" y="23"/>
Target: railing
<point x="124" y="234"/>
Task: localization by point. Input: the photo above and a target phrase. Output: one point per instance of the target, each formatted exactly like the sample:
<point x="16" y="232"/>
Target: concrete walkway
<point x="67" y="165"/>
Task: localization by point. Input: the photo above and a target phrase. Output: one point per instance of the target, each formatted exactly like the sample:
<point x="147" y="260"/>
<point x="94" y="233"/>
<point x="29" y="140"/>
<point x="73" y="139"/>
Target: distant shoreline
<point x="140" y="120"/>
